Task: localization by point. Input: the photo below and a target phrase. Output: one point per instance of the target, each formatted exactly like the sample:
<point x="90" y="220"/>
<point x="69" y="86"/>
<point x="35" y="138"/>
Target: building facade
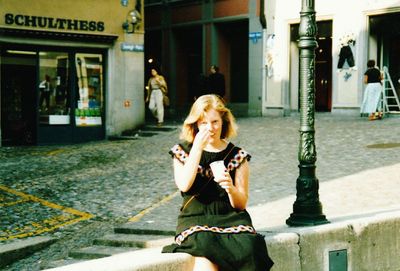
<point x="184" y="38"/>
<point x="349" y="34"/>
<point x="70" y="71"/>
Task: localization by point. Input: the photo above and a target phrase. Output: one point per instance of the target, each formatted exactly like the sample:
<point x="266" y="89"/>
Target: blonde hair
<point x="199" y="107"/>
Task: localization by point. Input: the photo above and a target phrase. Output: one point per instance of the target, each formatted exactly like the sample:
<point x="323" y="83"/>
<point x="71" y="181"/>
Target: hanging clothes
<point x="345" y="54"/>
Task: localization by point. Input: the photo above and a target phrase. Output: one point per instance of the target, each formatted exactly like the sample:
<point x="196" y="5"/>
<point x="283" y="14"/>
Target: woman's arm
<point x="148" y="91"/>
<point x="161" y="81"/>
<point x="365" y="79"/>
<point x="185" y="174"/>
<point x="238" y="193"/>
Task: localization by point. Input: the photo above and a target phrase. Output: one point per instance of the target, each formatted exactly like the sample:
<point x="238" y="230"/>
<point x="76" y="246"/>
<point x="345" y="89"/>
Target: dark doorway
<point x="189" y="59"/>
<point x="386" y="29"/>
<point x="18" y="99"/>
<point x="323" y="75"/>
<point x="323" y="65"/>
<point x="233" y="58"/>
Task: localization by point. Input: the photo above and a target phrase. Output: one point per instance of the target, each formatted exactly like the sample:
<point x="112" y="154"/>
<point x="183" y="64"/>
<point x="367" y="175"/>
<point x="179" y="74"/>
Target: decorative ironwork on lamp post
<point x="307" y="209"/>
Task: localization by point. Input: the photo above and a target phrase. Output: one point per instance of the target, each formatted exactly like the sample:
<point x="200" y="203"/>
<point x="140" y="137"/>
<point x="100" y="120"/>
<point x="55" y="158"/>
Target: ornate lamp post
<point x="307" y="209"/>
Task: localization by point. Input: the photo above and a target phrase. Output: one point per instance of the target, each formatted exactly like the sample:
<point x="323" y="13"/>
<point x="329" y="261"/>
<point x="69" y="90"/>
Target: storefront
<point x="72" y="76"/>
<point x="349" y="34"/>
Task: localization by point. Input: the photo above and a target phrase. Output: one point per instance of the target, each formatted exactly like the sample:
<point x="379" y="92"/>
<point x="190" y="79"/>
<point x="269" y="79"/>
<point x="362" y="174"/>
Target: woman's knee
<point x="204" y="264"/>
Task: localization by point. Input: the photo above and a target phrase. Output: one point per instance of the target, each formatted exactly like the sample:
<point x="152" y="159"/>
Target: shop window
<point x="54" y="104"/>
<point x="89" y="99"/>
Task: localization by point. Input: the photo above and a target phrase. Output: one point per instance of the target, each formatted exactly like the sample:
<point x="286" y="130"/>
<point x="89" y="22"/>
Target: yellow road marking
<point x="152" y="207"/>
<point x="54" y="152"/>
<point x="53" y="222"/>
<point x="45" y="202"/>
<point x="11" y="203"/>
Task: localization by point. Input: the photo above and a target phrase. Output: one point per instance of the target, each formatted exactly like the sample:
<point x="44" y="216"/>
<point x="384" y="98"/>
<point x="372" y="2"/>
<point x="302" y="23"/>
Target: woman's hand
<point x="225" y="181"/>
<point x="201" y="139"/>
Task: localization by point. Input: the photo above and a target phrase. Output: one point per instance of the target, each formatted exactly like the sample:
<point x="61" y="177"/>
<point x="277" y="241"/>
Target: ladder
<point x="389" y="101"/>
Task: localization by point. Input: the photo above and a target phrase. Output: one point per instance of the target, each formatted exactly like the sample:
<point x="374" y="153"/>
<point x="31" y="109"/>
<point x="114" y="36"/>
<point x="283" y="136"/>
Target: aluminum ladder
<point x="389" y="101"/>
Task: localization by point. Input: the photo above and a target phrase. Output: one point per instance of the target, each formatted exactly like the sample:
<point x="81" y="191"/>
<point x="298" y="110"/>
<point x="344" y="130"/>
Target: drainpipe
<point x="263" y="20"/>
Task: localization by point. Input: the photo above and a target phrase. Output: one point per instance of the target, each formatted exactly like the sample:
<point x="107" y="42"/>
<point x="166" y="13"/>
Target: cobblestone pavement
<point x="79" y="192"/>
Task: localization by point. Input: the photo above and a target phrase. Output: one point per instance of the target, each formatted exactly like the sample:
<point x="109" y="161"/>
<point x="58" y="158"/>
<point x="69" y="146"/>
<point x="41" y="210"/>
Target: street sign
<point x="131" y="47"/>
<point x="254" y="36"/>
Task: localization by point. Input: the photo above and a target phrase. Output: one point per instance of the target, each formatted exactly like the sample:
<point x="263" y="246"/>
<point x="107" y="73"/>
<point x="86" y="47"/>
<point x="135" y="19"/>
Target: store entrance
<point x="51" y="96"/>
<point x="18" y="99"/>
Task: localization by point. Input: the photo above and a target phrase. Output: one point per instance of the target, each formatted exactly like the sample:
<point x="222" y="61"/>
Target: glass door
<point x="54" y="107"/>
<point x="54" y="92"/>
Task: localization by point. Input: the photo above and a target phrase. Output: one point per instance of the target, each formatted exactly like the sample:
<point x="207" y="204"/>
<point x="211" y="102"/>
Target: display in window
<point x="54" y="105"/>
<point x="89" y="102"/>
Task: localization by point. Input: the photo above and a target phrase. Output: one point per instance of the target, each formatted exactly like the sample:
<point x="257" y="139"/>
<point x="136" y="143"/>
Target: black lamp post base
<point x="299" y="220"/>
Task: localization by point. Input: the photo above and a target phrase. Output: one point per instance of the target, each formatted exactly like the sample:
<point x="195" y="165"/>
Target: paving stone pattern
<point x="115" y="180"/>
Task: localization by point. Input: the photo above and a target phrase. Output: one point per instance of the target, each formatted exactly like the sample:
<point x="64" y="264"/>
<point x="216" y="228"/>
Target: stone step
<point x="132" y="228"/>
<point x="95" y="252"/>
<point x="16" y="250"/>
<point x="134" y="240"/>
<point x="63" y="262"/>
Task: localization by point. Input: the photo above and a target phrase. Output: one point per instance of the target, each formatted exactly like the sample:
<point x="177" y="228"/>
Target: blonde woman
<point x="213" y="224"/>
<point x="156" y="88"/>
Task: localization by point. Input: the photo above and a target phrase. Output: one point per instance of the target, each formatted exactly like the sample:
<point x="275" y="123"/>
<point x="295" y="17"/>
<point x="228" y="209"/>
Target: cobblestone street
<point x="79" y="192"/>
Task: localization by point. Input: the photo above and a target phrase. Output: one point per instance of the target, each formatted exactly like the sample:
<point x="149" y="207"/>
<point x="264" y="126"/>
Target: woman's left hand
<point x="225" y="181"/>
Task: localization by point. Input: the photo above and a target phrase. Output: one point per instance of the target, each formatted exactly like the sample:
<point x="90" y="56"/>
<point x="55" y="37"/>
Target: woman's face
<point x="153" y="72"/>
<point x="211" y="121"/>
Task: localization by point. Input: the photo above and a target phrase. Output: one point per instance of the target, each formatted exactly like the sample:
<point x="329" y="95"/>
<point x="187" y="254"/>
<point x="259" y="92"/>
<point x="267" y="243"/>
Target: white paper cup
<point x="218" y="168"/>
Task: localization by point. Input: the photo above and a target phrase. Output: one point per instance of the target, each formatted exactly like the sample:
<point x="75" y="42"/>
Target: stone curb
<point x="370" y="241"/>
<point x="22" y="248"/>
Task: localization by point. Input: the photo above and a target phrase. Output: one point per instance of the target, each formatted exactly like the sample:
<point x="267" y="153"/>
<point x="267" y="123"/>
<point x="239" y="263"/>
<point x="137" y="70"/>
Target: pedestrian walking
<point x="216" y="82"/>
<point x="156" y="89"/>
<point x="373" y="78"/>
<point x="213" y="224"/>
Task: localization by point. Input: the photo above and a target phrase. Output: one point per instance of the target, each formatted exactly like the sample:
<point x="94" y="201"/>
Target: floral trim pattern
<point x="179" y="153"/>
<point x="235" y="229"/>
<point x="234" y="163"/>
<point x="237" y="159"/>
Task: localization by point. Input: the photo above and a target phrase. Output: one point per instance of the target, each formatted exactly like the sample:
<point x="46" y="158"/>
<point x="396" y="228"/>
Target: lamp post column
<point x="307" y="209"/>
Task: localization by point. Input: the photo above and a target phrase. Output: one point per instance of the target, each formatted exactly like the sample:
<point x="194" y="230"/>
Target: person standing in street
<point x="373" y="78"/>
<point x="216" y="82"/>
<point x="156" y="89"/>
<point x="213" y="224"/>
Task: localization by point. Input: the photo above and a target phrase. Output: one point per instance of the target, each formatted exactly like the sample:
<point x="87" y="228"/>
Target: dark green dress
<point x="209" y="226"/>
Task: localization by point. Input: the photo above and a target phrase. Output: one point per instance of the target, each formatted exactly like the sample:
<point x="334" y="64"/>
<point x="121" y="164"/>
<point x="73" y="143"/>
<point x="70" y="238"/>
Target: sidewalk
<point x="359" y="188"/>
<point x="358" y="167"/>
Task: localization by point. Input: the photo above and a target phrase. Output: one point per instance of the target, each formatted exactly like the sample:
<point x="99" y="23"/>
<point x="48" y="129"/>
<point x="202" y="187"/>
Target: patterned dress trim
<point x="234" y="163"/>
<point x="235" y="229"/>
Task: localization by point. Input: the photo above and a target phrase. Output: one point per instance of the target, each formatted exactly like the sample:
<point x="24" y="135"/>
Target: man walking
<point x="216" y="82"/>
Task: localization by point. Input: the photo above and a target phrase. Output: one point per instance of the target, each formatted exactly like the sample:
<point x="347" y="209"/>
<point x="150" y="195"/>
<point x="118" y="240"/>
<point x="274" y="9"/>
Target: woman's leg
<point x="159" y="106"/>
<point x="204" y="264"/>
<point x="152" y="104"/>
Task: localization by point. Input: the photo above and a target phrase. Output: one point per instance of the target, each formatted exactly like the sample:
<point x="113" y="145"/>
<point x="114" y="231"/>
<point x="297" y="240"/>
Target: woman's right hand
<point x="201" y="139"/>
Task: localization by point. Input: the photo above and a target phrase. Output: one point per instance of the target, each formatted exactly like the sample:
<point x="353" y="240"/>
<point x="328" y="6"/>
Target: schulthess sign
<point x="52" y="23"/>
